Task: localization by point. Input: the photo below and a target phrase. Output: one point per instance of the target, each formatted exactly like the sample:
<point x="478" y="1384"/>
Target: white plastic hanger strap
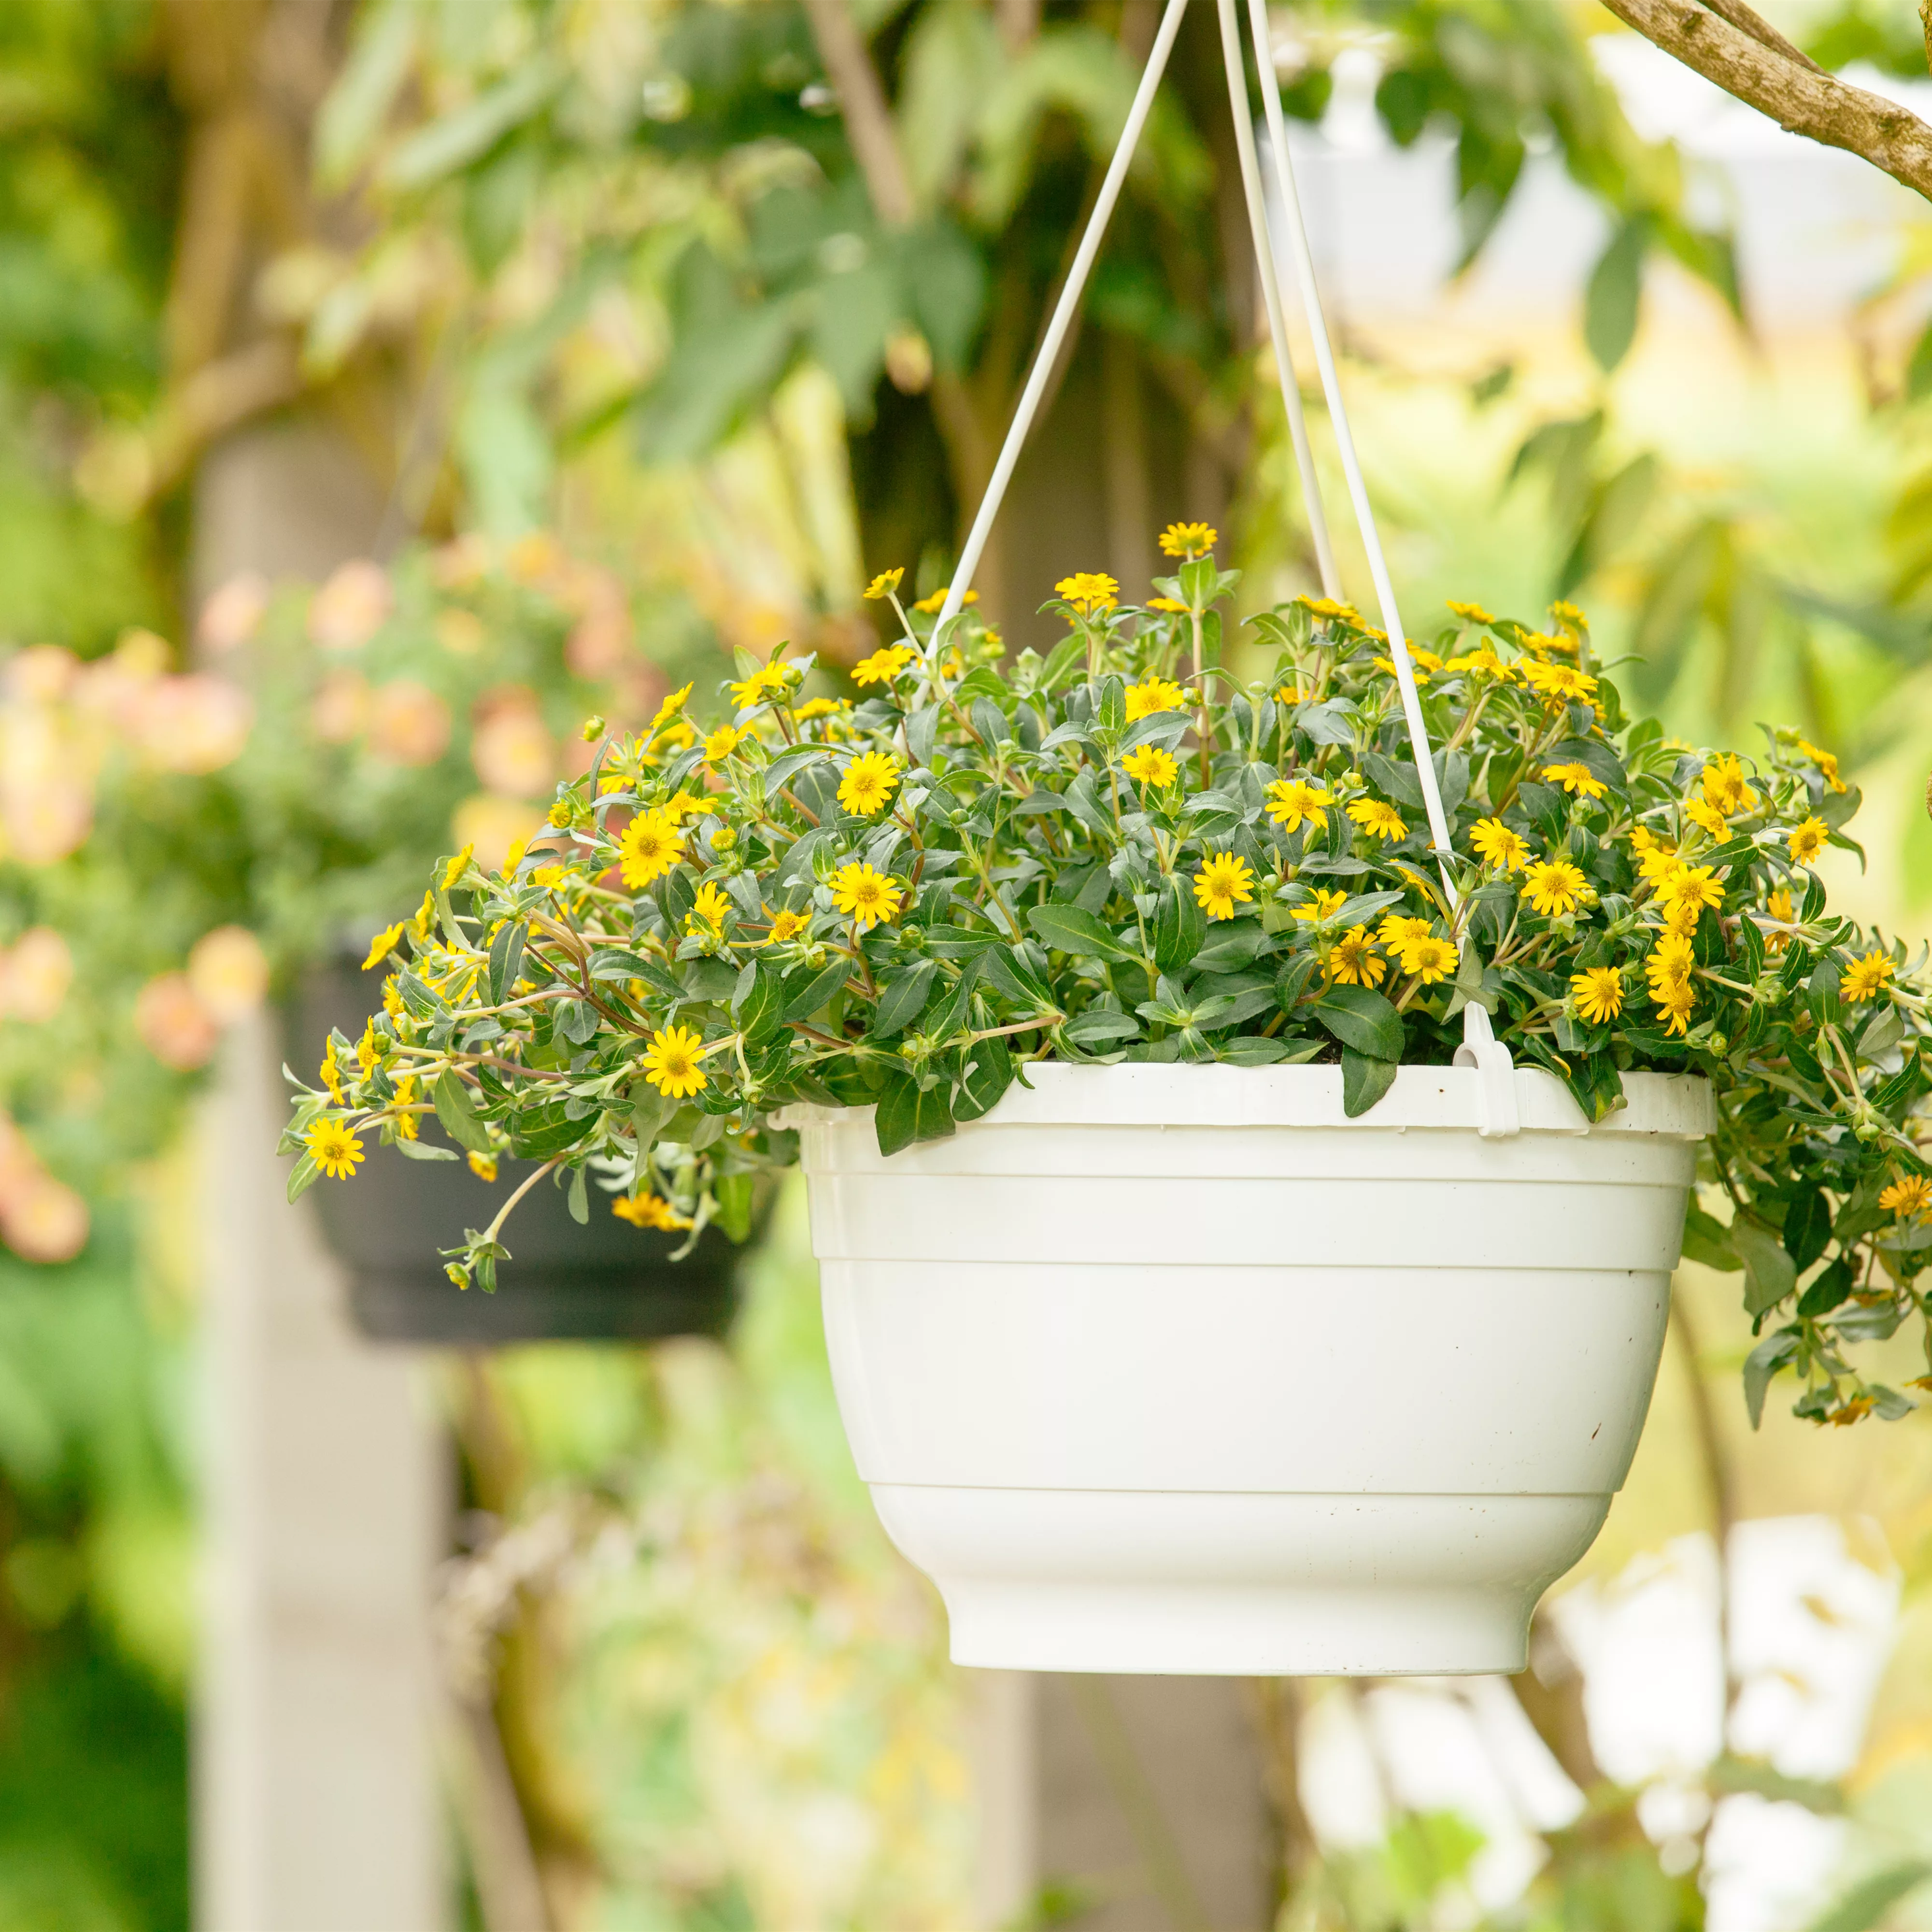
<point x="1495" y="1092"/>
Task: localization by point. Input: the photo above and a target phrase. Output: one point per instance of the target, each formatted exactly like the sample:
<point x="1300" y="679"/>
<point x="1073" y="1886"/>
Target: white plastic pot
<point x="1168" y="1368"/>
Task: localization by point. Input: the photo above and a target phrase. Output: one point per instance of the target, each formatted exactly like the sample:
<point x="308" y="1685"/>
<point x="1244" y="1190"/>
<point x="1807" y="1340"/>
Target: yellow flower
<point x="392" y="997"/>
<point x="884" y="664"/>
<point x="786" y="926"/>
<point x="1826" y="762"/>
<point x="708" y="910"/>
<point x="331" y="1075"/>
<point x="1224" y="881"/>
<point x="1577" y="779"/>
<point x="1470" y="613"/>
<point x="1599" y="994"/>
<point x="1170" y="605"/>
<point x="1290" y="694"/>
<point x="1908" y="1197"/>
<point x="1700" y="811"/>
<point x="681" y="806"/>
<point x="1779" y="906"/>
<point x="1682" y="918"/>
<point x="1508" y="851"/>
<point x="1427" y="955"/>
<point x="1690" y="886"/>
<point x="1485" y="661"/>
<point x="869" y="782"/>
<point x="1670" y="960"/>
<point x="1568" y="613"/>
<point x="1421" y="669"/>
<point x="1563" y="683"/>
<point x="768" y="681"/>
<point x="408" y="1125"/>
<point x="1379" y="820"/>
<point x="885" y="583"/>
<point x="1725" y="785"/>
<point x="457" y="866"/>
<point x="671" y="1062"/>
<point x="679" y="735"/>
<point x="1292" y="800"/>
<point x="1675" y="1003"/>
<point x="668" y="710"/>
<point x="1154" y="693"/>
<point x="819" y="707"/>
<point x="333" y="1148"/>
<point x="866" y="896"/>
<point x="1354" y="961"/>
<point x="1187" y="539"/>
<point x="936" y="603"/>
<point x="1866" y="976"/>
<point x="1088" y="590"/>
<point x="1325" y="904"/>
<point x="1149" y="765"/>
<point x="483" y="1166"/>
<point x="1397" y="929"/>
<point x="1808" y="841"/>
<point x="367" y="1053"/>
<point x="1327" y="607"/>
<point x="1554" y="887"/>
<point x="650" y="1210"/>
<point x="650" y="846"/>
<point x="383" y="944"/>
<point x="720" y="744"/>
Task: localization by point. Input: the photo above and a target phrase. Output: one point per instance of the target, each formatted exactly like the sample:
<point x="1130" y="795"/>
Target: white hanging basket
<point x="1177" y="1369"/>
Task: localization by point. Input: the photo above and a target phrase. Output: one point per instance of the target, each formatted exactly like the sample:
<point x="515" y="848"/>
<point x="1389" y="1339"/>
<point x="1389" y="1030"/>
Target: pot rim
<point x="1142" y="1093"/>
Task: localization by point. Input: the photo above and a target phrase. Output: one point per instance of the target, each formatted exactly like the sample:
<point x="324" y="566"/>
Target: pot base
<point x="1219" y="1584"/>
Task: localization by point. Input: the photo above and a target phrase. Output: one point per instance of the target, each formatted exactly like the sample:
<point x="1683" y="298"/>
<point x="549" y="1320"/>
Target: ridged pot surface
<point x="1177" y="1368"/>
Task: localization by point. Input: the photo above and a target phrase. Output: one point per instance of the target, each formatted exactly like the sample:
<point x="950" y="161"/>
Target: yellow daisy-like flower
<point x="883" y="665"/>
<point x="1562" y="684"/>
<point x="1378" y="819"/>
<point x="719" y="745"/>
<point x="936" y="603"/>
<point x="1149" y="765"/>
<point x="671" y="1063"/>
<point x="1485" y="661"/>
<point x="367" y="1052"/>
<point x="1188" y="540"/>
<point x="786" y="926"/>
<point x="1554" y="887"/>
<point x="668" y="711"/>
<point x="1428" y="956"/>
<point x="1865" y="977"/>
<point x="1808" y="840"/>
<point x="1499" y="846"/>
<point x="1325" y="904"/>
<point x="1421" y="669"/>
<point x="335" y="1149"/>
<point x="1701" y="812"/>
<point x="681" y="805"/>
<point x="885" y="583"/>
<point x="1725" y="786"/>
<point x="1907" y="1197"/>
<point x="1569" y="613"/>
<point x="1172" y="606"/>
<point x="1599" y="994"/>
<point x="392" y="997"/>
<point x="1779" y="906"/>
<point x="1691" y="886"/>
<point x="1088" y="591"/>
<point x="1290" y="802"/>
<point x="1353" y="960"/>
<point x="1397" y="929"/>
<point x="1225" y="880"/>
<point x="866" y="896"/>
<point x="409" y="1126"/>
<point x="708" y="910"/>
<point x="1682" y="918"/>
<point x="1826" y="762"/>
<point x="1290" y="694"/>
<point x="1576" y="779"/>
<point x="1153" y="695"/>
<point x="383" y="944"/>
<point x="819" y="707"/>
<point x="483" y="1166"/>
<point x="458" y="865"/>
<point x="767" y="681"/>
<point x="1676" y="1003"/>
<point x="331" y="1074"/>
<point x="1471" y="614"/>
<point x="650" y="1210"/>
<point x="1327" y="607"/>
<point x="649" y="848"/>
<point x="1670" y="961"/>
<point x="869" y="782"/>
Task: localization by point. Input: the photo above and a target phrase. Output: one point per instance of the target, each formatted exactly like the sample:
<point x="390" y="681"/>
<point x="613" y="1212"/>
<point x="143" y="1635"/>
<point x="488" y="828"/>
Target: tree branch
<point x="1727" y="44"/>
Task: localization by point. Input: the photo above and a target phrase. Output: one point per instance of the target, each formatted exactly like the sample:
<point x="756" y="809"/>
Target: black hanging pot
<point x="605" y="1281"/>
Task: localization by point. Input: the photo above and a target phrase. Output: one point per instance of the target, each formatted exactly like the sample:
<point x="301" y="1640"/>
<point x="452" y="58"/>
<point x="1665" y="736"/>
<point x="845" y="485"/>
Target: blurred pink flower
<point x="40" y="1219"/>
<point x="341" y="708"/>
<point x="228" y="972"/>
<point x="195" y="724"/>
<point x="510" y="747"/>
<point x="492" y="824"/>
<point x="174" y="1025"/>
<point x="42" y="673"/>
<point x="411" y="723"/>
<point x="601" y="640"/>
<point x="35" y="973"/>
<point x="232" y="614"/>
<point x="348" y="609"/>
<point x="47" y="797"/>
<point x="461" y="563"/>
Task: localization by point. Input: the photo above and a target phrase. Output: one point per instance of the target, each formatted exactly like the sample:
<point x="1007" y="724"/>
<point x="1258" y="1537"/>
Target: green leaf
<point x="423" y="1151"/>
<point x="1827" y="1291"/>
<point x="303" y="1176"/>
<point x="1179" y="926"/>
<point x="1611" y="303"/>
<point x="1364" y="1081"/>
<point x="1708" y="1240"/>
<point x="907" y="1113"/>
<point x="759" y="1008"/>
<point x="457" y="1113"/>
<point x="1769" y="1276"/>
<point x="473" y="130"/>
<point x="1868" y="1902"/>
<point x="579" y="1196"/>
<point x="1807" y="1228"/>
<point x="1760" y="1365"/>
<point x="734" y="1193"/>
<point x="808" y="992"/>
<point x="902" y="1000"/>
<point x="506" y="960"/>
<point x="1067" y="929"/>
<point x="1360" y="1017"/>
<point x="989" y="1072"/>
<point x="1095" y="1025"/>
